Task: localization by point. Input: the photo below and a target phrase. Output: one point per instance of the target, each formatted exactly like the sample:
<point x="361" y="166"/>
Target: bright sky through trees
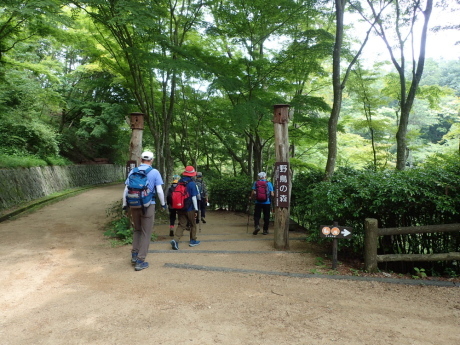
<point x="440" y="45"/>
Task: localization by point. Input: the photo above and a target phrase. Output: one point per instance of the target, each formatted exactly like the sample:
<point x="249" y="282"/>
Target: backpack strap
<point x="149" y="169"/>
<point x="146" y="171"/>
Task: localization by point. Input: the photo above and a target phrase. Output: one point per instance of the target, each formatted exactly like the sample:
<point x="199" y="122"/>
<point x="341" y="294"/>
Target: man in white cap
<point x="143" y="217"/>
<point x="187" y="215"/>
<point x="262" y="192"/>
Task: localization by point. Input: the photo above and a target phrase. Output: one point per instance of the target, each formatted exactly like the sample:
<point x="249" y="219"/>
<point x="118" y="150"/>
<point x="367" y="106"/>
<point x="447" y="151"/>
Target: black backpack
<point x="169" y="194"/>
<point x="199" y="184"/>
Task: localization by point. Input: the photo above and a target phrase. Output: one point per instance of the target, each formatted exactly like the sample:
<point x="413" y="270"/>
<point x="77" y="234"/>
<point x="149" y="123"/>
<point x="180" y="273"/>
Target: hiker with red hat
<point x="186" y="215"/>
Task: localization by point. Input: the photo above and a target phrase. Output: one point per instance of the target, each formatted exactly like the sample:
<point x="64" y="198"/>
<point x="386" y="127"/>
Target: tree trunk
<point x="135" y="146"/>
<point x="337" y="87"/>
<point x="407" y="100"/>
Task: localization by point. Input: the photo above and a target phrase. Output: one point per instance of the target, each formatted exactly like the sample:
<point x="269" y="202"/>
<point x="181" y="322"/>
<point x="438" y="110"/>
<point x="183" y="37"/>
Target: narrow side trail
<point x="62" y="283"/>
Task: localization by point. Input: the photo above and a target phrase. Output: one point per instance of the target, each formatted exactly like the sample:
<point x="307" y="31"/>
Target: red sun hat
<point x="189" y="171"/>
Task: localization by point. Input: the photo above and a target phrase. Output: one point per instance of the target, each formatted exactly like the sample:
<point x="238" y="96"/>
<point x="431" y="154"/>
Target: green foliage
<point x="57" y="160"/>
<point x="28" y="161"/>
<point x="20" y="20"/>
<point x="451" y="273"/>
<point x="302" y="195"/>
<point x="27" y="137"/>
<point x="425" y="195"/>
<point x="419" y="273"/>
<point x="319" y="261"/>
<point x="24" y="131"/>
<point x="119" y="228"/>
<point x="8" y="161"/>
<point x="231" y="193"/>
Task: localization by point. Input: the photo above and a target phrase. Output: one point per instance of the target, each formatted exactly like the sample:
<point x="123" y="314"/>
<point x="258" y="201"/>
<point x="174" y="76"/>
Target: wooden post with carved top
<point x="135" y="145"/>
<point x="282" y="196"/>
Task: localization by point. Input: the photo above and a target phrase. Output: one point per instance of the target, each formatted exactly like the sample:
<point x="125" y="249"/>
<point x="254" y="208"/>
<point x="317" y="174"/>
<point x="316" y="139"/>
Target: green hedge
<point x="420" y="196"/>
<point x="230" y="193"/>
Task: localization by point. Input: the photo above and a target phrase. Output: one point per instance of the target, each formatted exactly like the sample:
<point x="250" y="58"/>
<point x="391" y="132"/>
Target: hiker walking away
<point x="172" y="211"/>
<point x="203" y="190"/>
<point x="141" y="201"/>
<point x="262" y="192"/>
<point x="187" y="206"/>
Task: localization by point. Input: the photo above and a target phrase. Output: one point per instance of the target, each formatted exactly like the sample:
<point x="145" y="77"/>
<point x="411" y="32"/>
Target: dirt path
<point x="62" y="283"/>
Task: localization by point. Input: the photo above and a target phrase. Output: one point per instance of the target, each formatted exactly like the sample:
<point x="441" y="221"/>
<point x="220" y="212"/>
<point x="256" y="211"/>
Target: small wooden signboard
<point x="335" y="231"/>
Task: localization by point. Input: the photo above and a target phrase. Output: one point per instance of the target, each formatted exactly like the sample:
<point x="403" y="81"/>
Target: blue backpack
<point x="138" y="195"/>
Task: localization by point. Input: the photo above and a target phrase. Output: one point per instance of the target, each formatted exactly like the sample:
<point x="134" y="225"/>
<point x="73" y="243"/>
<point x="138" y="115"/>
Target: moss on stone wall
<point x="22" y="185"/>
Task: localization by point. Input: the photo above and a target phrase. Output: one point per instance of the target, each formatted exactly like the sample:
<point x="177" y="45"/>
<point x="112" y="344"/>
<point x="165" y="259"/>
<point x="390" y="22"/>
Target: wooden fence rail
<point x="372" y="233"/>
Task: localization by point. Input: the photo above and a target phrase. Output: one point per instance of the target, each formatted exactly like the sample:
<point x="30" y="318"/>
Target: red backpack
<point x="261" y="191"/>
<point x="179" y="197"/>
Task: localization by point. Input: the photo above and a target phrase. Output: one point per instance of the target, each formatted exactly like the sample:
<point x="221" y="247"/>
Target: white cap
<point x="262" y="174"/>
<point x="147" y="156"/>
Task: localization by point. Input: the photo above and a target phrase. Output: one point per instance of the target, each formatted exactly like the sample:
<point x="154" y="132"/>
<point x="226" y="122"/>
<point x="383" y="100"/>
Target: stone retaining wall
<point x="21" y="185"/>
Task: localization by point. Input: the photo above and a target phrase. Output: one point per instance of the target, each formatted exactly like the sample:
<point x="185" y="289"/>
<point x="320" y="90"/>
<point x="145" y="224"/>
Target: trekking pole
<point x="248" y="209"/>
<point x="198" y="216"/>
<point x="247" y="225"/>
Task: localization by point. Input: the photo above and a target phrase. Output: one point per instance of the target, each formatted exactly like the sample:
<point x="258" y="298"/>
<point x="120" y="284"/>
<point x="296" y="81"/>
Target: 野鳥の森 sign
<point x="282" y="184"/>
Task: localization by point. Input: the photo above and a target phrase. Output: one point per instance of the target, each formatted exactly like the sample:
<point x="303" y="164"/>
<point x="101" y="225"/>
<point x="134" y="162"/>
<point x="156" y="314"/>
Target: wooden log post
<point x="281" y="207"/>
<point x="370" y="244"/>
<point x="135" y="145"/>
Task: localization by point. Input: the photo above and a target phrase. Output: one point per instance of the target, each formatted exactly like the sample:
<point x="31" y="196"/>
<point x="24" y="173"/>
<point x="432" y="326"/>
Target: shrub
<point x="301" y="195"/>
<point x="119" y="228"/>
<point x="231" y="193"/>
<point x="425" y="195"/>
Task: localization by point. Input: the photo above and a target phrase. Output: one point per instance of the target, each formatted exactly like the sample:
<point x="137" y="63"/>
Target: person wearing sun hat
<point x="172" y="211"/>
<point x="187" y="216"/>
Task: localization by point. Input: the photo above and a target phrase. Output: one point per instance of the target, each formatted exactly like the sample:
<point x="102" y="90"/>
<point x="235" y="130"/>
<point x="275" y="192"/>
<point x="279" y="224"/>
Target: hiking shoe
<point x="257" y="229"/>
<point x="265" y="232"/>
<point x="140" y="265"/>
<point x="194" y="243"/>
<point x="202" y="219"/>
<point x="134" y="258"/>
<point x="174" y="245"/>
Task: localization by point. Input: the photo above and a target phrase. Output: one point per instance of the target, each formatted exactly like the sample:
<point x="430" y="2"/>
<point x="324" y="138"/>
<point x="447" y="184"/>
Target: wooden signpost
<point x="135" y="145"/>
<point x="335" y="231"/>
<point x="130" y="165"/>
<point x="282" y="176"/>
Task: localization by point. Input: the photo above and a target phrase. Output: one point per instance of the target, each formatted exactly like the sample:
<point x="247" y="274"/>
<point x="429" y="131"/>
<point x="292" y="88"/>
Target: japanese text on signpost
<point x="282" y="184"/>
